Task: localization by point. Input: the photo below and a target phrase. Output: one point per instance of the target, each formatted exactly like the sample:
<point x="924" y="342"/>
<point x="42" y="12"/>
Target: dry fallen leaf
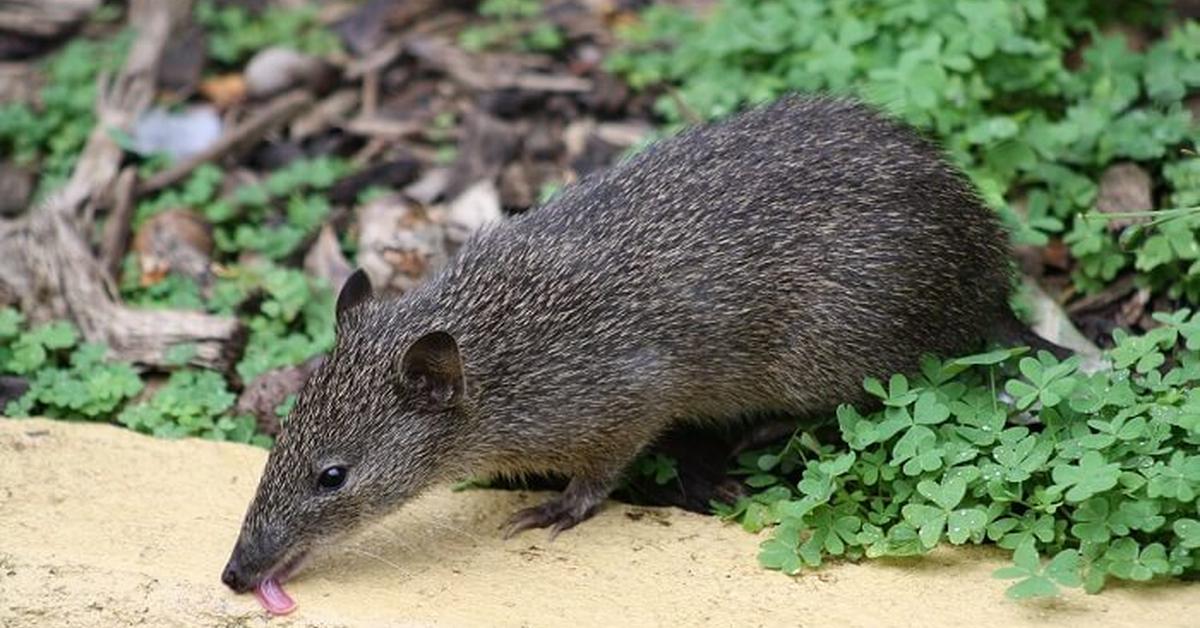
<point x="477" y="206"/>
<point x="176" y="240"/>
<point x="324" y="259"/>
<point x="400" y="244"/>
<point x="1125" y="187"/>
<point x="224" y="91"/>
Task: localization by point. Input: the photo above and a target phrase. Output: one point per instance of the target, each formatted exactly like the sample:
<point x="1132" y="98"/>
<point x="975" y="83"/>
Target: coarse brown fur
<point x="763" y="264"/>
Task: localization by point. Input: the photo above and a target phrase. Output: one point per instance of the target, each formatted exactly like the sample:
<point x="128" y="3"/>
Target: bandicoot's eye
<point x="332" y="478"/>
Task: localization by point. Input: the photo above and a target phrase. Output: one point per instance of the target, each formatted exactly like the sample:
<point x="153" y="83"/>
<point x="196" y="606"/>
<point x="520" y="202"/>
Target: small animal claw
<point x="546" y="515"/>
<point x="558" y="514"/>
<point x="522" y="520"/>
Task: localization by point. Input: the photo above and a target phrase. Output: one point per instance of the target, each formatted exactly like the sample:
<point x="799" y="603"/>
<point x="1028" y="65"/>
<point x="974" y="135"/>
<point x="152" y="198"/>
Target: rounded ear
<point x="432" y="370"/>
<point x="356" y="290"/>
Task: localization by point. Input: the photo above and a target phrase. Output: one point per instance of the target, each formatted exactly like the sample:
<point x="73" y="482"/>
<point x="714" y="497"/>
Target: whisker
<point x="361" y="552"/>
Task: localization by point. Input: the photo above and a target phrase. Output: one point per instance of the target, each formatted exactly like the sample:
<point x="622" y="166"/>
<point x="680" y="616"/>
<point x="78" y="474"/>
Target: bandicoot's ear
<point x="432" y="369"/>
<point x="356" y="290"/>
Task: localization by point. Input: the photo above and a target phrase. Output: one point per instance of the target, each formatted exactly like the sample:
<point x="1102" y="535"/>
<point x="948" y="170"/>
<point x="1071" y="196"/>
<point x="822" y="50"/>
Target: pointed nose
<point x="233" y="577"/>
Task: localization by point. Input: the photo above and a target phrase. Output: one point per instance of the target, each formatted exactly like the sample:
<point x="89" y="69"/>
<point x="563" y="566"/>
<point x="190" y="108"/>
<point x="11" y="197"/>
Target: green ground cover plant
<point x="512" y="23"/>
<point x="72" y="380"/>
<point x="235" y="33"/>
<point x="1098" y="473"/>
<point x="291" y="317"/>
<point x="48" y="135"/>
<point x="1032" y="114"/>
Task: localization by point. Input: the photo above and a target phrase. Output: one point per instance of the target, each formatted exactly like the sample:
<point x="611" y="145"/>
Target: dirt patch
<point x="105" y="527"/>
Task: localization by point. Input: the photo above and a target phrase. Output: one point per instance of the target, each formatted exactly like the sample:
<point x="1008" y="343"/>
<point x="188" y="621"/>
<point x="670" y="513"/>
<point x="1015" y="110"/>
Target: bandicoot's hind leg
<point x="701" y="455"/>
<point x="577" y="503"/>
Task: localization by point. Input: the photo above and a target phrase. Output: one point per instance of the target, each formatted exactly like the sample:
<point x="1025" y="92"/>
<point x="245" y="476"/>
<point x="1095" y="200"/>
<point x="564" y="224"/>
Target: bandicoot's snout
<point x="233" y="576"/>
<point x="249" y="564"/>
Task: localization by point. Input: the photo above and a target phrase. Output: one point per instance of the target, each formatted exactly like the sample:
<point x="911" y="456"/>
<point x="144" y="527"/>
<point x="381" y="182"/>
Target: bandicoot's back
<point x="772" y="260"/>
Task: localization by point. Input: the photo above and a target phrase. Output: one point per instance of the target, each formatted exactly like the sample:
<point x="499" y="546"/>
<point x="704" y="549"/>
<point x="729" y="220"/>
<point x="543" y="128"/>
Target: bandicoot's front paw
<point x="557" y="514"/>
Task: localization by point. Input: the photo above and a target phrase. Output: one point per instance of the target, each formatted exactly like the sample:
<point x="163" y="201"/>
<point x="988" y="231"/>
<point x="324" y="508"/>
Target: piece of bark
<point x="29" y="27"/>
<point x="384" y="128"/>
<point x="263" y="394"/>
<point x="183" y="62"/>
<point x="330" y="111"/>
<point x="364" y="30"/>
<point x="123" y="100"/>
<point x="53" y="275"/>
<point x="44" y="18"/>
<point x="1133" y="308"/>
<point x="1052" y="323"/>
<point x="20" y="83"/>
<point x="16" y="188"/>
<point x="1113" y="292"/>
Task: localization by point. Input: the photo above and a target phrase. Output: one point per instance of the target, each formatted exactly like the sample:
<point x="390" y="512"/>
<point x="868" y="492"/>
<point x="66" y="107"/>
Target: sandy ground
<point x="100" y="526"/>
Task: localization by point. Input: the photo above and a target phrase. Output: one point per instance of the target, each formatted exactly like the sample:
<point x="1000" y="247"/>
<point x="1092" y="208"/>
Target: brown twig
<point x="471" y="71"/>
<point x="1111" y="294"/>
<point x="278" y="112"/>
<point x="117" y="227"/>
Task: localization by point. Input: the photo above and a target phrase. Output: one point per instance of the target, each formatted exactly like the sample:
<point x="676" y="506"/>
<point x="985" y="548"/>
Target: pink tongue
<point x="273" y="598"/>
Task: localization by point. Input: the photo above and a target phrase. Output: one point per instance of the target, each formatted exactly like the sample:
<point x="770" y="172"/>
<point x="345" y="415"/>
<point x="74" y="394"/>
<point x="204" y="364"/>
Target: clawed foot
<point x="576" y="504"/>
<point x="552" y="514"/>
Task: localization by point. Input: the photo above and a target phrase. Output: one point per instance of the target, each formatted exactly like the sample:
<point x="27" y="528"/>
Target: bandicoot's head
<point x="371" y="428"/>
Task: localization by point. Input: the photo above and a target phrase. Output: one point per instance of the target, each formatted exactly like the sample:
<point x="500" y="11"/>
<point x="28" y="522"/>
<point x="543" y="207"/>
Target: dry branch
<point x="479" y="73"/>
<point x="44" y="18"/>
<point x="117" y="227"/>
<point x="278" y="112"/>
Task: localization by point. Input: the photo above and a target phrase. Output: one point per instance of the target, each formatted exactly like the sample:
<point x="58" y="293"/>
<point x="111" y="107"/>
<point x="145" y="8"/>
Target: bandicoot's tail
<point x="1012" y="331"/>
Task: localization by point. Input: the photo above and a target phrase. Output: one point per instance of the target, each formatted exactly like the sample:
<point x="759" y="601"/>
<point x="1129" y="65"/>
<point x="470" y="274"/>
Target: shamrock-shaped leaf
<point x="1177" y="479"/>
<point x="1021" y="459"/>
<point x="10" y="322"/>
<point x="931" y="521"/>
<point x="781" y="551"/>
<point x="1036" y="580"/>
<point x="1092" y="475"/>
<point x="898" y="394"/>
<point x="1129" y="562"/>
<point x="930" y="411"/>
<point x="1011" y="532"/>
<point x="1188" y="531"/>
<point x="1046" y="381"/>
